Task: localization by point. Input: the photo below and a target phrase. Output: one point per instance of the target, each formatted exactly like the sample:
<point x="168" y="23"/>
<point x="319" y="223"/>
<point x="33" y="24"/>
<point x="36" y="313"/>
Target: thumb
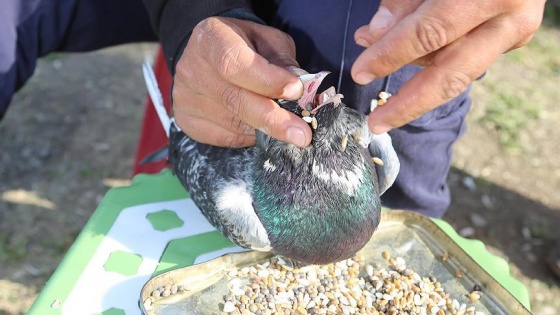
<point x="279" y="49"/>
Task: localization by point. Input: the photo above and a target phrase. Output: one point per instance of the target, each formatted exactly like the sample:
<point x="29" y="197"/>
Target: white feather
<point x="155" y="96"/>
<point x="235" y="205"/>
<point x="350" y="180"/>
<point x="268" y="166"/>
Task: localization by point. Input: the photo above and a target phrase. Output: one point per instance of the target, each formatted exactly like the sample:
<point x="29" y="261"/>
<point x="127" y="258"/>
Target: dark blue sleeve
<point x="174" y="20"/>
<point x="31" y="29"/>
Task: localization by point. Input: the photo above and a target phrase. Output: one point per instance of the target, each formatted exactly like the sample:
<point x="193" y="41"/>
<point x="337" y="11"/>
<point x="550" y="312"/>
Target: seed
<point x="373" y="105"/>
<point x="458" y="273"/>
<point x="314" y="123"/>
<point x="347" y="287"/>
<point x="344" y="142"/>
<point x="147" y="304"/>
<point x="305" y="113"/>
<point x="369" y="270"/>
<point x="474" y="296"/>
<point x="384" y="95"/>
<point x="377" y="161"/>
<point x="228" y="307"/>
<point x="307" y="119"/>
<point x="381" y="102"/>
<point x="57" y="303"/>
<point x="445" y="256"/>
<point x="386" y="255"/>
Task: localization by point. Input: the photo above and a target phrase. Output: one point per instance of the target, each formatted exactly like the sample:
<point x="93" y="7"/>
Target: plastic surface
<point x="82" y="285"/>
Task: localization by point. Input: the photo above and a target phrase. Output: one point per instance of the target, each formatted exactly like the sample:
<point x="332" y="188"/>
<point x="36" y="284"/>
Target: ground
<point x="71" y="134"/>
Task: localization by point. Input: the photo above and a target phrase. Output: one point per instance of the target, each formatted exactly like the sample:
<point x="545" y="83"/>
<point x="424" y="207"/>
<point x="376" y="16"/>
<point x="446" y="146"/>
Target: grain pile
<point x="278" y="286"/>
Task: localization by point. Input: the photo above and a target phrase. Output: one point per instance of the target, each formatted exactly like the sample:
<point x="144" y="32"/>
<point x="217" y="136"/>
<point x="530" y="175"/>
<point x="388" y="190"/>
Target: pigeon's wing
<point x="380" y="151"/>
<point x="219" y="182"/>
<point x="388" y="165"/>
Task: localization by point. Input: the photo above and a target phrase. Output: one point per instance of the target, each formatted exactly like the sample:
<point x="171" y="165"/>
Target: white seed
<point x="384" y="95"/>
<point x="307" y="119"/>
<point x="373" y="105"/>
<point x="417" y="300"/>
<point x="474" y="296"/>
<point x="314" y="123"/>
<point x="228" y="307"/>
<point x="344" y="142"/>
<point x="377" y="161"/>
<point x="57" y="303"/>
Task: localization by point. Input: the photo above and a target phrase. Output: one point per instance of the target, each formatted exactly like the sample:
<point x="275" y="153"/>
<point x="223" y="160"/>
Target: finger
<point x="428" y="29"/>
<point x="266" y="115"/>
<point x="199" y="129"/>
<point x="224" y="44"/>
<point x="255" y="110"/>
<point x="449" y="74"/>
<point x="206" y="109"/>
<point x="390" y="12"/>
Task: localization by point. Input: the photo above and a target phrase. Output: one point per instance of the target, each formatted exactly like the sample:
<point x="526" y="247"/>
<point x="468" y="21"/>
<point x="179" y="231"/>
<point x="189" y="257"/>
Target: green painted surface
<point x="164" y="220"/>
<point x="144" y="189"/>
<point x="124" y="263"/>
<point x="183" y="252"/>
<point x="497" y="267"/>
<point x="113" y="311"/>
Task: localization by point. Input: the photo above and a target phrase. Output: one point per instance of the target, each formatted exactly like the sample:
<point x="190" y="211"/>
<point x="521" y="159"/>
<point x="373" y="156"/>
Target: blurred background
<point x="71" y="134"/>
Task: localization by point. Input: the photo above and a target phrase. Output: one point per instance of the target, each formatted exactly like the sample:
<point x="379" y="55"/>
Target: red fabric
<point x="152" y="135"/>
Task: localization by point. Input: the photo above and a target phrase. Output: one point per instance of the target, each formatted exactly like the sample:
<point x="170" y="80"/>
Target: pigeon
<point x="316" y="205"/>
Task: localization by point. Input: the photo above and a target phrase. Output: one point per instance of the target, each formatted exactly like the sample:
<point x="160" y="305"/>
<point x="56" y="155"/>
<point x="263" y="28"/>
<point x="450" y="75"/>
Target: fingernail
<point x="293" y="91"/>
<point x="364" y="77"/>
<point x="383" y="19"/>
<point x="362" y="42"/>
<point x="296" y="136"/>
<point x="381" y="128"/>
<point x="297" y="71"/>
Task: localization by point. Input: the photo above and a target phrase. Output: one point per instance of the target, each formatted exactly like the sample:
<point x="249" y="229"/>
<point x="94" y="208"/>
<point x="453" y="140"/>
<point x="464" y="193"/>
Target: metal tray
<point x="413" y="237"/>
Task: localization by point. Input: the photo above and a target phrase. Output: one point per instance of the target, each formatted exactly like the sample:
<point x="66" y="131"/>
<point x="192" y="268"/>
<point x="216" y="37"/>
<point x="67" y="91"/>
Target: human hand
<point x="226" y="79"/>
<point x="456" y="41"/>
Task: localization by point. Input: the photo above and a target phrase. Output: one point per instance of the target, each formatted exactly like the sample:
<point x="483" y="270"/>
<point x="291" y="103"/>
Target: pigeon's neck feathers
<point x="320" y="202"/>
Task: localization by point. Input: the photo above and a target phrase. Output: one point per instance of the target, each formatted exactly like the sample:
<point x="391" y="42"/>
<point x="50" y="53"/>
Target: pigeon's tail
<point x="155" y="96"/>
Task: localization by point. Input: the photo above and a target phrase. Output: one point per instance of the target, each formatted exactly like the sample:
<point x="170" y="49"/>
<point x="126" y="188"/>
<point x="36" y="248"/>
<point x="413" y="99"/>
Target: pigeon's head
<point x="318" y="204"/>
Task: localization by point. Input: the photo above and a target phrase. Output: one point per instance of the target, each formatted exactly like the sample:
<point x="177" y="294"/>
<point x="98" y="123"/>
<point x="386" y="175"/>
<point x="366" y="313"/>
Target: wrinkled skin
<point x="225" y="82"/>
<point x="231" y="69"/>
<point x="455" y="40"/>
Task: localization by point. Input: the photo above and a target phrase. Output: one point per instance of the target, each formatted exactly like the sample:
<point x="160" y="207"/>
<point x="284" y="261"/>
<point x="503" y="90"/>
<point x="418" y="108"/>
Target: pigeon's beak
<point x="311" y="82"/>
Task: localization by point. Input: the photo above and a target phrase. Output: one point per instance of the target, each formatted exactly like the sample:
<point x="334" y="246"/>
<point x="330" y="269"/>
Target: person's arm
<point x="174" y="20"/>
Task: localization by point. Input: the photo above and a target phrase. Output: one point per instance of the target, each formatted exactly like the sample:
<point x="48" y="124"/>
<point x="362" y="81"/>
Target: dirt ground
<point x="71" y="134"/>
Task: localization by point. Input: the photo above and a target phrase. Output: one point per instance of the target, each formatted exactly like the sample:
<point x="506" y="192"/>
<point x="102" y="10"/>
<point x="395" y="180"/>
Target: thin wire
<point x="344" y="46"/>
<point x="386" y="83"/>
